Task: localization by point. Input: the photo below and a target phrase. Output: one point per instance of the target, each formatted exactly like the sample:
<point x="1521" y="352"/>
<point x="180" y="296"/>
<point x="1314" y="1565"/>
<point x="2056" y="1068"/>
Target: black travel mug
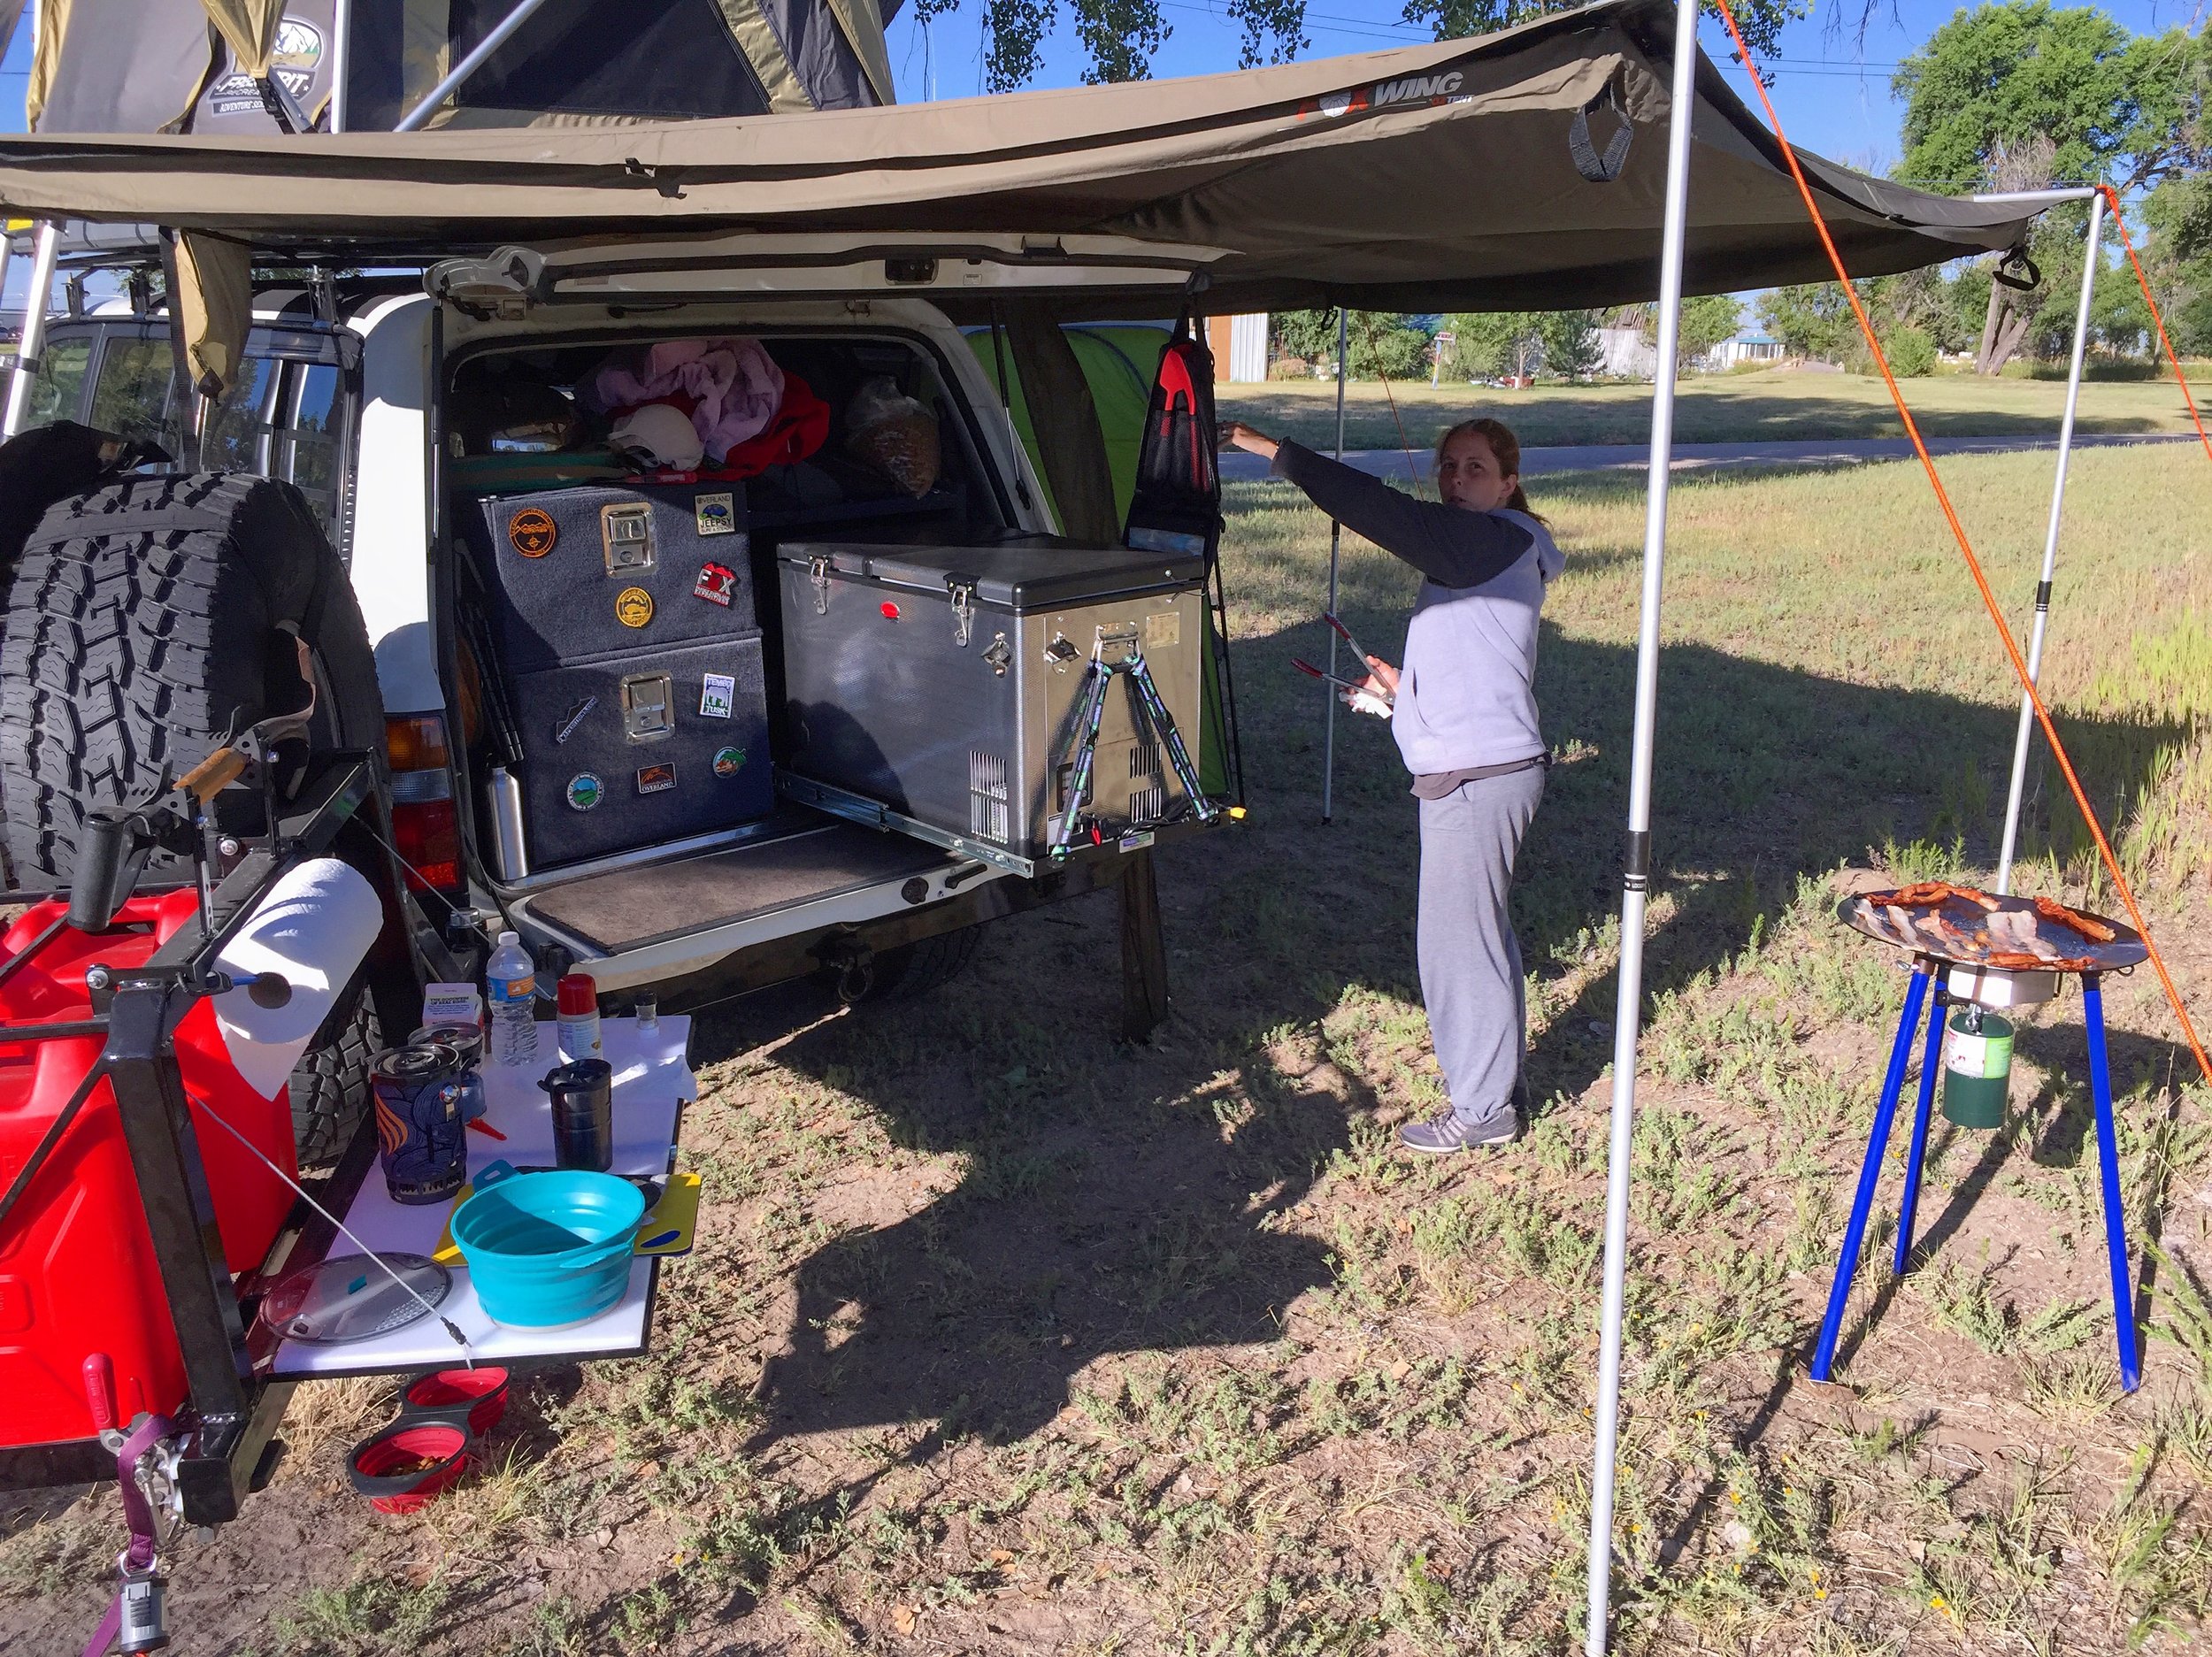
<point x="583" y="1114"/>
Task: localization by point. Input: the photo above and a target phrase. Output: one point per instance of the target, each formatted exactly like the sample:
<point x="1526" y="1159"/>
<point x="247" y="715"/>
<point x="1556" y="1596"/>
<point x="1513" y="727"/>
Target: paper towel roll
<point x="314" y="927"/>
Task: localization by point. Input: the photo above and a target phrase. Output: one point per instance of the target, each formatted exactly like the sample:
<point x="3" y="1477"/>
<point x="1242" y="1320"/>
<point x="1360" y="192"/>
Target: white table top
<point x="652" y="1083"/>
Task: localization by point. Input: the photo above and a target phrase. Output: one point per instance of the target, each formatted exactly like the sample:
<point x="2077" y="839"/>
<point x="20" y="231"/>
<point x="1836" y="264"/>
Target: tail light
<point x="425" y="831"/>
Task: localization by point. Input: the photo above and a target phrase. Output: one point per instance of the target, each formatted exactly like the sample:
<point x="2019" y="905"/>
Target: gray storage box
<point x="940" y="682"/>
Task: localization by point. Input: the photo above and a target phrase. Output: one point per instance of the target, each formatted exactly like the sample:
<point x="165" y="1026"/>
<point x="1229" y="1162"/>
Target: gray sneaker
<point x="1445" y="1132"/>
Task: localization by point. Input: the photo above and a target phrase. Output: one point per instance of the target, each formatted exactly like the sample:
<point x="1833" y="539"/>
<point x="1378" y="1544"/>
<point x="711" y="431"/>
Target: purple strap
<point x="138" y="1513"/>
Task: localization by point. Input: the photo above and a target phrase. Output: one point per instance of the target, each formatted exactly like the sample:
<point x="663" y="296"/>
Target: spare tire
<point x="147" y="620"/>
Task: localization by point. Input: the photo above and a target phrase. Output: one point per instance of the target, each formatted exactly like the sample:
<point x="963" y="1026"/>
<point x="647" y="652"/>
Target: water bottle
<point x="510" y="988"/>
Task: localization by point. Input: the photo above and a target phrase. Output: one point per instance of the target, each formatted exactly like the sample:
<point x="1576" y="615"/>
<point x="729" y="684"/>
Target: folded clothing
<point x="733" y="387"/>
<point x="800" y="427"/>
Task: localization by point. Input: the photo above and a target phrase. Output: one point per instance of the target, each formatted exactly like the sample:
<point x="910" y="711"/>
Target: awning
<point x="1525" y="169"/>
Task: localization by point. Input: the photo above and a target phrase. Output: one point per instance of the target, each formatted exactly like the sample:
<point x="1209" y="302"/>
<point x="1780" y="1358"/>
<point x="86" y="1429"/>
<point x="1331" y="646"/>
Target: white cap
<point x="509" y="937"/>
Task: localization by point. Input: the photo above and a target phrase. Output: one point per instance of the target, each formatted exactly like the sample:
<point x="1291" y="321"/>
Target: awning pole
<point x="417" y="117"/>
<point x="2050" y="546"/>
<point x="38" y="298"/>
<point x="341" y="60"/>
<point x="1636" y="876"/>
<point x="1336" y="548"/>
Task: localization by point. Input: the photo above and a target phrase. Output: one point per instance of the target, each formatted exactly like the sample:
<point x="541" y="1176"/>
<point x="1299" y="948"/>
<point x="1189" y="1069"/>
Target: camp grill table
<point x="652" y="1083"/>
<point x="1966" y="976"/>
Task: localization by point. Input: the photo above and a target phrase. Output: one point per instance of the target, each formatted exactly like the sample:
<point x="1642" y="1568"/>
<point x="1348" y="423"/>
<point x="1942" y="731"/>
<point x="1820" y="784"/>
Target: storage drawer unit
<point x="964" y="723"/>
<point x="630" y="659"/>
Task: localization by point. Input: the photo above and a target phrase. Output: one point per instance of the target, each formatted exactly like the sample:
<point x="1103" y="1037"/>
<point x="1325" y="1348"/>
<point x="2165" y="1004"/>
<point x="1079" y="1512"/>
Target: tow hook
<point x="855" y="965"/>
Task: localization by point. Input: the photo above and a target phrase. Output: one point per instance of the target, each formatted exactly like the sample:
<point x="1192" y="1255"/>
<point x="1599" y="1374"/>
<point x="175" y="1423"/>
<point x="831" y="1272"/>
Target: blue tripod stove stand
<point x="1926" y="967"/>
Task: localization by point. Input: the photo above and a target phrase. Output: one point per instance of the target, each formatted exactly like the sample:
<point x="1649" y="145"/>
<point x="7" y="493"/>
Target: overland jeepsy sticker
<point x="716" y="513"/>
<point x="717" y="584"/>
<point x="728" y="761"/>
<point x="532" y="531"/>
<point x="656" y="778"/>
<point x="718" y="696"/>
<point x="585" y="791"/>
<point x="634" y="606"/>
<point x="576" y="717"/>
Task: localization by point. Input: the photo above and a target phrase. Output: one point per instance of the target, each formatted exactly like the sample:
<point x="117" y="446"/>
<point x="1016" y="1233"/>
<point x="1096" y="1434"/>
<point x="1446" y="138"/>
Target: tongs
<point x="1369" y="683"/>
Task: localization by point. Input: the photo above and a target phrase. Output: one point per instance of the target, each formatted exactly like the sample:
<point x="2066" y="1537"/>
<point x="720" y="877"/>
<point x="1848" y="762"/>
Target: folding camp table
<point x="1961" y="978"/>
<point x="652" y="1083"/>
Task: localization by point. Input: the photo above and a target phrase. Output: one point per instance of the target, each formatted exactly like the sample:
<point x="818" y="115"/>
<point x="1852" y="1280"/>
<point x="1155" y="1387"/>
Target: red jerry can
<point x="77" y="1279"/>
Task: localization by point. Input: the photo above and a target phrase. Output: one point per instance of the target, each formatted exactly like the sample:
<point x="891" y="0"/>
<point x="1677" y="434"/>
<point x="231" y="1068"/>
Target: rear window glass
<point x="59" y="387"/>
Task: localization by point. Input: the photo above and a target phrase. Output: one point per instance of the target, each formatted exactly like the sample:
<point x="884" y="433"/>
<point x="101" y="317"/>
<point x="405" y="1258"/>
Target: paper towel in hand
<point x="314" y="927"/>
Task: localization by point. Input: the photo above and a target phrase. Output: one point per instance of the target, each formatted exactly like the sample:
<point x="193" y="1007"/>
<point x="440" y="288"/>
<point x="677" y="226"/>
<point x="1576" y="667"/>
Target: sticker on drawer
<point x="718" y="696"/>
<point x="656" y="778"/>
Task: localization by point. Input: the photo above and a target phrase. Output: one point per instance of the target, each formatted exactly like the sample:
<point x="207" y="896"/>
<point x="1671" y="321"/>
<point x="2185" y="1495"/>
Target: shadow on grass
<point x="1707" y="411"/>
<point x="1121" y="1200"/>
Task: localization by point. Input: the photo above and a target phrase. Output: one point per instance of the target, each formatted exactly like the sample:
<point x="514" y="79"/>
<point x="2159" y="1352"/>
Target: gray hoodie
<point x="1466" y="693"/>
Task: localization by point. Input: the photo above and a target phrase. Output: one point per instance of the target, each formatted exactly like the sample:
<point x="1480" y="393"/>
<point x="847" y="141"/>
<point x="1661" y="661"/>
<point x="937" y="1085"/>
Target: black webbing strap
<point x="1599" y="169"/>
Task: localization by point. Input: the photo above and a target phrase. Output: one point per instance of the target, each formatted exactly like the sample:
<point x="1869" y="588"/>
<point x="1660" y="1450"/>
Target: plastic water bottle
<point x="510" y="986"/>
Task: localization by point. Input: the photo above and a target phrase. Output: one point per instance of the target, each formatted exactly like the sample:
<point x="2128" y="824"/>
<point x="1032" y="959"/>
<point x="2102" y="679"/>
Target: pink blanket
<point x="733" y="387"/>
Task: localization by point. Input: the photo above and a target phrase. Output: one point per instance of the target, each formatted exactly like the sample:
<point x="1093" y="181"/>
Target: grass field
<point x="1768" y="405"/>
<point x="1003" y="1337"/>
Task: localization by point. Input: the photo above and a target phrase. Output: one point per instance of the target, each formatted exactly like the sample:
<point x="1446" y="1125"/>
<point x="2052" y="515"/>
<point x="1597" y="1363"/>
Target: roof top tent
<point x="256" y="68"/>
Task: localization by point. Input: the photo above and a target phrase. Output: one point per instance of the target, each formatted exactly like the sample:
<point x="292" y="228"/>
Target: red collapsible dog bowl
<point x="402" y="1467"/>
<point x="482" y="1392"/>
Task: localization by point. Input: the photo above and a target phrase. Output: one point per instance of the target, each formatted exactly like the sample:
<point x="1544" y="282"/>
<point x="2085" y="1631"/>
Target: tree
<point x="2179" y="260"/>
<point x="1378" y="342"/>
<point x="1707" y="320"/>
<point x="1812" y="320"/>
<point x="2019" y="95"/>
<point x="1495" y="343"/>
<point x="1572" y="348"/>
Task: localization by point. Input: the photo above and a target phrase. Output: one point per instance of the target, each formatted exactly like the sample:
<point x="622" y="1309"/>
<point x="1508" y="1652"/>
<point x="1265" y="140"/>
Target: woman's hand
<point x="1239" y="435"/>
<point x="1377" y="693"/>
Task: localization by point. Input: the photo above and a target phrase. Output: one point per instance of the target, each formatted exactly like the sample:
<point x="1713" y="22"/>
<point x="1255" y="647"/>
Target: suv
<point x="322" y="530"/>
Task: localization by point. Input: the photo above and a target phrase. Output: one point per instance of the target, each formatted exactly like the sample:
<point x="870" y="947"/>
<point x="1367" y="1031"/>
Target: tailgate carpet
<point x="627" y="908"/>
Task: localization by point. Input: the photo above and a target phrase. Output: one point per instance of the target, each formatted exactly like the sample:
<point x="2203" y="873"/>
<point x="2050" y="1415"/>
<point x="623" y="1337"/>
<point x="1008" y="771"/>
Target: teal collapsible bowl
<point x="547" y="1249"/>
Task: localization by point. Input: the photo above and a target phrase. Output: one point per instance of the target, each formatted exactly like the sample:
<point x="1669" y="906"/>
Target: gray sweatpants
<point x="1470" y="965"/>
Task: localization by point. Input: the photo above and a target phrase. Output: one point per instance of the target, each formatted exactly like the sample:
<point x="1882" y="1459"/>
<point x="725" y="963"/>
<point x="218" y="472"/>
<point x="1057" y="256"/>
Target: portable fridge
<point x="937" y="687"/>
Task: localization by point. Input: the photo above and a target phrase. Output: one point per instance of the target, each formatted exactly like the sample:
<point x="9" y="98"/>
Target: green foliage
<point x="1379" y="343"/>
<point x="2069" y="94"/>
<point x="1912" y="353"/>
<point x="1493" y="343"/>
<point x="1707" y="320"/>
<point x="1813" y="319"/>
<point x="1571" y="344"/>
<point x="2178" y="215"/>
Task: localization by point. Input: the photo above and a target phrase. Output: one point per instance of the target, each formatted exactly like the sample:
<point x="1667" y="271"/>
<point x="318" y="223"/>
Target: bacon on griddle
<point x="2095" y="930"/>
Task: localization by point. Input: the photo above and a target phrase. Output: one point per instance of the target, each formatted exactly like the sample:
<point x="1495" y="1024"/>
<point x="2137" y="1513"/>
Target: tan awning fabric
<point x="1444" y="176"/>
<point x="214" y="299"/>
<point x="249" y="27"/>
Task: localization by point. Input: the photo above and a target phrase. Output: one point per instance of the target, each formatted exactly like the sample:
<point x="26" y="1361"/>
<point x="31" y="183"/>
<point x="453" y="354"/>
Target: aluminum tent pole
<point x="2050" y="546"/>
<point x="1336" y="550"/>
<point x="37" y="301"/>
<point x="416" y="118"/>
<point x="341" y="60"/>
<point x="1636" y="876"/>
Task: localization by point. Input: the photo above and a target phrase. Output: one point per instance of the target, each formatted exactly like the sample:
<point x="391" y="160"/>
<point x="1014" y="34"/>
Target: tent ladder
<point x="1636" y="878"/>
<point x="38" y="299"/>
<point x="2050" y="545"/>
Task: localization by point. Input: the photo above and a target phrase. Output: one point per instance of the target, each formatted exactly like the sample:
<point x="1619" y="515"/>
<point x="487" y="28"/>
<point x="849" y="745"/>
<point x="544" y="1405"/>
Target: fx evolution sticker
<point x="718" y="696"/>
<point x="717" y="584"/>
<point x="634" y="606"/>
<point x="728" y="761"/>
<point x="656" y="778"/>
<point x="532" y="531"/>
<point x="585" y="791"/>
<point x="716" y="513"/>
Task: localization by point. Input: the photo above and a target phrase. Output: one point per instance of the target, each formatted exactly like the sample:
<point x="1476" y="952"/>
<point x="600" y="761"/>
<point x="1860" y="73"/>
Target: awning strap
<point x="1599" y="169"/>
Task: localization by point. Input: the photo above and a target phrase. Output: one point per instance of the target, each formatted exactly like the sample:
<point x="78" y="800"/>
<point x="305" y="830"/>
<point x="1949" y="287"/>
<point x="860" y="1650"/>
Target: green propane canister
<point x="1976" y="1068"/>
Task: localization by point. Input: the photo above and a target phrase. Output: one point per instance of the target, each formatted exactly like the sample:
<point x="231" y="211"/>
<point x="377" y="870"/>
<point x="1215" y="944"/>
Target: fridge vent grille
<point x="1147" y="789"/>
<point x="988" y="797"/>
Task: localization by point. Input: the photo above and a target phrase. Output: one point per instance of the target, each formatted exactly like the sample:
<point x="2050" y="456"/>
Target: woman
<point x="1465" y="722"/>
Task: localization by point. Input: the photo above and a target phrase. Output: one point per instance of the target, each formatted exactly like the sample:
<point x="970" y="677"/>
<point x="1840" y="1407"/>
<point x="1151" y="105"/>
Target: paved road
<point x="1391" y="463"/>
